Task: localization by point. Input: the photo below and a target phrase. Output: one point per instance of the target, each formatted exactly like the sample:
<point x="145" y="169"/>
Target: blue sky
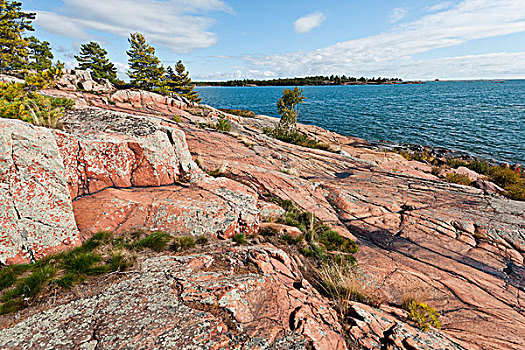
<point x="226" y="39"/>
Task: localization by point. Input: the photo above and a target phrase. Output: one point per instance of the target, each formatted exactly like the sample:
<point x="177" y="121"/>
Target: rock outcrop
<point x="123" y="162"/>
<point x="227" y="298"/>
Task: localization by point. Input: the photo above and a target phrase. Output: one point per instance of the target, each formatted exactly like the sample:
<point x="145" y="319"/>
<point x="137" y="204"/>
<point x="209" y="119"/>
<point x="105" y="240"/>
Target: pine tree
<point x="180" y="83"/>
<point x="145" y="70"/>
<point x="13" y="24"/>
<point x="40" y="55"/>
<point x="92" y="57"/>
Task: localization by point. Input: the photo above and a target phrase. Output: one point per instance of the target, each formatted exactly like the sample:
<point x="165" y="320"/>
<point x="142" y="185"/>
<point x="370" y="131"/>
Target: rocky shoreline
<point x="130" y="159"/>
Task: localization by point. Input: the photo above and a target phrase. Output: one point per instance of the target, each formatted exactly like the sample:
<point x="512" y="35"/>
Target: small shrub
<point x="240" y="238"/>
<point x="479" y="167"/>
<point x="287" y="239"/>
<point x="268" y="231"/>
<point x="459" y="179"/>
<point x="296" y="138"/>
<point x="183" y="243"/>
<point x="503" y="176"/>
<point x="333" y="241"/>
<point x="156" y="241"/>
<point x="223" y="124"/>
<point x="202" y="240"/>
<point x="422" y="314"/>
<point x="516" y="192"/>
<point x="176" y="118"/>
<point x="456" y="163"/>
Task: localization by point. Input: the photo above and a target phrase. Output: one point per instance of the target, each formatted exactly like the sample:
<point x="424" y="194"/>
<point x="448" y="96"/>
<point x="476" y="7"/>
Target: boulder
<point x="36" y="213"/>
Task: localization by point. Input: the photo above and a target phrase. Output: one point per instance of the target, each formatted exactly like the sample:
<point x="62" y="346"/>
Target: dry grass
<point x="344" y="283"/>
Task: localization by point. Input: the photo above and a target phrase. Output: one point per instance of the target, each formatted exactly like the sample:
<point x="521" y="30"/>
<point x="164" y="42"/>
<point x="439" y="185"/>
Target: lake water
<point x="483" y="118"/>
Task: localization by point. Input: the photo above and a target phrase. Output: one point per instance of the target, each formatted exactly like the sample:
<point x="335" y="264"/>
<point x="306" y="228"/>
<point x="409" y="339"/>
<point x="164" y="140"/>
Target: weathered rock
<point x="373" y="329"/>
<point x="221" y="208"/>
<point x="73" y="79"/>
<point x="36" y="215"/>
<point x="236" y="298"/>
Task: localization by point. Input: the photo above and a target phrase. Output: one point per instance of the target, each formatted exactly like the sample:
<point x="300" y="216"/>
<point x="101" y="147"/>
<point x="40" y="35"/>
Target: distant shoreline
<point x="208" y="84"/>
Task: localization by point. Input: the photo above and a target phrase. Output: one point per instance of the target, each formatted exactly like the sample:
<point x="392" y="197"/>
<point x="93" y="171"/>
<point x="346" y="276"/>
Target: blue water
<point x="482" y="118"/>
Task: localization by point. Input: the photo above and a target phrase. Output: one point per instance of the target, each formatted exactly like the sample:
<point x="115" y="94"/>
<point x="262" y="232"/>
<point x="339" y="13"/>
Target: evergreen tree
<point x="288" y="107"/>
<point x="92" y="57"/>
<point x="145" y="70"/>
<point x="13" y="24"/>
<point x="40" y="55"/>
<point x="180" y="83"/>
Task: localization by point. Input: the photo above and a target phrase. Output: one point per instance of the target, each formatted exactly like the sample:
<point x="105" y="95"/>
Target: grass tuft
<point x="156" y="241"/>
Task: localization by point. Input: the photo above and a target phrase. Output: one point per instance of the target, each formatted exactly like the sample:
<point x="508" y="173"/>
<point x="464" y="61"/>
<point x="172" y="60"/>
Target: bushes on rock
<point x="22" y="101"/>
<point x="223" y="124"/>
<point x="422" y="314"/>
<point x="459" y="179"/>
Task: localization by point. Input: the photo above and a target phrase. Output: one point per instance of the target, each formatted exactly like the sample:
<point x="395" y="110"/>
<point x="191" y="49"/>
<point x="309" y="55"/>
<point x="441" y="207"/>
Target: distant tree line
<point x="313" y="80"/>
<point x="21" y="54"/>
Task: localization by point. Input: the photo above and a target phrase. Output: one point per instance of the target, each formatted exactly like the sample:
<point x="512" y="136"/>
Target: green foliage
<point x="21" y="101"/>
<point x="21" y="285"/>
<point x="145" y="69"/>
<point x="456" y="163"/>
<point x="287" y="106"/>
<point x="223" y="124"/>
<point x="183" y="243"/>
<point x="333" y="241"/>
<point x="288" y="239"/>
<point x="504" y="176"/>
<point x="40" y="55"/>
<point x="177" y="119"/>
<point x="297" y="139"/>
<point x="156" y="241"/>
<point x="93" y="57"/>
<point x="240" y="238"/>
<point x="202" y="240"/>
<point x="422" y="314"/>
<point x="179" y="82"/>
<point x="459" y="179"/>
<point x="240" y="112"/>
<point x="479" y="166"/>
<point x="13" y="24"/>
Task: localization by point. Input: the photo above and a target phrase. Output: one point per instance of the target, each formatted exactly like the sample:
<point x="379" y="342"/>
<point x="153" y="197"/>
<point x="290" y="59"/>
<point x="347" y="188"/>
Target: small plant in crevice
<point x="240" y="238"/>
<point x="183" y="243"/>
<point x="422" y="314"/>
<point x="223" y="124"/>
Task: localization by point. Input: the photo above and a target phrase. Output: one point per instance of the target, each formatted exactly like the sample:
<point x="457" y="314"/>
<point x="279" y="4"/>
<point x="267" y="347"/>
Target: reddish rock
<point x="36" y="215"/>
<point x="233" y="298"/>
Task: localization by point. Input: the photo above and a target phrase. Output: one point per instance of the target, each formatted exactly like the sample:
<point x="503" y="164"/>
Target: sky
<point x="237" y="39"/>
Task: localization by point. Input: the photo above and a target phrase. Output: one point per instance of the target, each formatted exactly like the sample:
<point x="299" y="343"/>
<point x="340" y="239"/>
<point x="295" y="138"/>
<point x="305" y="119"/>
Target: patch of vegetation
<point x="176" y="118"/>
<point x="223" y="124"/>
<point x="22" y="101"/>
<point x="183" y="243"/>
<point x="318" y="241"/>
<point x="157" y="241"/>
<point x="422" y="314"/>
<point x="459" y="179"/>
<point x="288" y="239"/>
<point x="424" y="156"/>
<point x="202" y="240"/>
<point x="240" y="112"/>
<point x="343" y="283"/>
<point x="22" y="285"/>
<point x="297" y="139"/>
<point x="240" y="238"/>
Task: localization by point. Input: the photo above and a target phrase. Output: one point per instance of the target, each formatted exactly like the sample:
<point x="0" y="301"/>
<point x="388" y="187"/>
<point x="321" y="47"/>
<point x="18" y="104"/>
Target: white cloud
<point x="307" y="23"/>
<point x="440" y="6"/>
<point x="398" y="14"/>
<point x="392" y="53"/>
<point x="180" y="25"/>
